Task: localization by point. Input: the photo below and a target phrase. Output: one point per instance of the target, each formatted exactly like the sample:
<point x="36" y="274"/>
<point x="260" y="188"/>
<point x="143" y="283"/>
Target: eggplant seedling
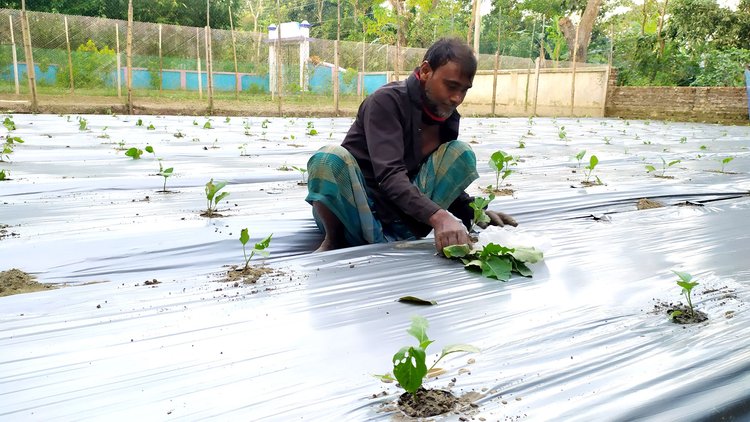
<point x="9" y="124"/>
<point x="3" y="174"/>
<point x="593" y="161"/>
<point x="500" y="161"/>
<point x="134" y="153"/>
<point x="139" y="122"/>
<point x="260" y="247"/>
<point x="580" y="156"/>
<point x="207" y="125"/>
<point x="724" y="162"/>
<point x="165" y="174"/>
<point x="562" y="134"/>
<point x="687" y="285"/>
<point x="303" y="172"/>
<point x="665" y="166"/>
<point x="151" y="127"/>
<point x="212" y="199"/>
<point x="8" y="147"/>
<point x="410" y="362"/>
<point x="82" y="123"/>
<point x="479" y="205"/>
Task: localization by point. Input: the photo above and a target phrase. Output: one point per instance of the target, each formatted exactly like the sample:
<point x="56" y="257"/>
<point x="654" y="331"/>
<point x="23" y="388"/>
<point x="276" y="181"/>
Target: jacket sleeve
<point x="461" y="209"/>
<point x="386" y="137"/>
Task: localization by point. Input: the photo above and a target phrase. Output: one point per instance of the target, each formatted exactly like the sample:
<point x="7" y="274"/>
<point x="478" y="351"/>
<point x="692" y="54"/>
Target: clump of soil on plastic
<point x="249" y="275"/>
<point x="646" y="204"/>
<point x="5" y="233"/>
<point x="211" y="215"/>
<point x="684" y="315"/>
<point x="498" y="192"/>
<point x="425" y="403"/>
<point x="15" y="281"/>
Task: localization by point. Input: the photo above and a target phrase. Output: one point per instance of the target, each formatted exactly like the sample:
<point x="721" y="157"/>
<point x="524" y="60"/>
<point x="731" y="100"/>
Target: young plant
<point x="303" y="172"/>
<point x="580" y="156"/>
<point x="207" y="125"/>
<point x="479" y="205"/>
<point x="212" y="199"/>
<point x="82" y="123"/>
<point x="3" y="174"/>
<point x="139" y="122"/>
<point x="165" y="174"/>
<point x="593" y="161"/>
<point x="134" y="153"/>
<point x="724" y="162"/>
<point x="496" y="261"/>
<point x="151" y="127"/>
<point x="410" y="362"/>
<point x="607" y="140"/>
<point x="500" y="161"/>
<point x="687" y="285"/>
<point x="264" y="123"/>
<point x="562" y="134"/>
<point x="665" y="166"/>
<point x="260" y="247"/>
<point x="8" y="146"/>
<point x="9" y="124"/>
<point x="227" y="120"/>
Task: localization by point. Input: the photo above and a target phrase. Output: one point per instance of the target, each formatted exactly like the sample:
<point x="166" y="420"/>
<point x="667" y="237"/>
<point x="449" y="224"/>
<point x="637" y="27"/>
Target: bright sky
<point x="486" y="6"/>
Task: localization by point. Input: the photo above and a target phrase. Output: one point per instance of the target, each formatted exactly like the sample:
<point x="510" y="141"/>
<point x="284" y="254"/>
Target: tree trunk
<point x="470" y="31"/>
<point x="584" y="32"/>
<point x="402" y="19"/>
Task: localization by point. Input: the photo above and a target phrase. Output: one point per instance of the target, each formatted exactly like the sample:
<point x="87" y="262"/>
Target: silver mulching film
<point x="586" y="338"/>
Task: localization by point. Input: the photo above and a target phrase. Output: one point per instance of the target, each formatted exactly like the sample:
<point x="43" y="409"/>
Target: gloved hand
<point x="498" y="219"/>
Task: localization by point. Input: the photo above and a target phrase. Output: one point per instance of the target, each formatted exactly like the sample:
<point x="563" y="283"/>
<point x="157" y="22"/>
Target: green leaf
<point x="409" y="368"/>
<point x="650" y="168"/>
<point x="580" y="155"/>
<point x="687" y="286"/>
<point x="167" y="172"/>
<point x="455" y="348"/>
<point x="456" y="251"/>
<point x="263" y="244"/>
<point x="497" y="160"/>
<point x="727" y="160"/>
<point x="493" y="249"/>
<point x="244" y="237"/>
<point x="671" y="163"/>
<point x="220" y="197"/>
<point x="387" y="378"/>
<point x="593" y="161"/>
<point x="134" y="152"/>
<point x="416" y="301"/>
<point x="531" y="255"/>
<point x="686" y="277"/>
<point x="522" y="269"/>
<point x="498" y="267"/>
<point x="418" y="330"/>
<point x="149" y="149"/>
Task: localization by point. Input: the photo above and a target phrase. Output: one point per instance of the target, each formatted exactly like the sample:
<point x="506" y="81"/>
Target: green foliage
<point x="562" y="134"/>
<point x="165" y="173"/>
<point x="9" y="124"/>
<point x="593" y="161"/>
<point x="139" y="122"/>
<point x="724" y="162"/>
<point x="687" y="285"/>
<point x="665" y="166"/>
<point x="82" y="123"/>
<point x="151" y="127"/>
<point x="580" y="156"/>
<point x="8" y="146"/>
<point x="212" y="199"/>
<point x="92" y="66"/>
<point x="3" y="175"/>
<point x="500" y="161"/>
<point x="496" y="261"/>
<point x="410" y="362"/>
<point x="134" y="153"/>
<point x="260" y="247"/>
<point x="207" y="125"/>
<point x="303" y="172"/>
<point x="479" y="205"/>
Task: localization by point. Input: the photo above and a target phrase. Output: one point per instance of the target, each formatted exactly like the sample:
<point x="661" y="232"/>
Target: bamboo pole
<point x="609" y="69"/>
<point x="70" y="56"/>
<point x="536" y="76"/>
<point x="278" y="56"/>
<point x="119" y="64"/>
<point x="161" y="63"/>
<point x="15" y="57"/>
<point x="336" y="87"/>
<point x="30" y="71"/>
<point x="198" y="60"/>
<point x="129" y="57"/>
<point x="209" y="60"/>
<point x="208" y="71"/>
<point x="237" y="80"/>
<point x="573" y="74"/>
<point x="497" y="61"/>
<point x="528" y="70"/>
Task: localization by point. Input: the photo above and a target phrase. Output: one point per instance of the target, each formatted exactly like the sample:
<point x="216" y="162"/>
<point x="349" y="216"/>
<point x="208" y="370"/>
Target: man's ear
<point x="425" y="71"/>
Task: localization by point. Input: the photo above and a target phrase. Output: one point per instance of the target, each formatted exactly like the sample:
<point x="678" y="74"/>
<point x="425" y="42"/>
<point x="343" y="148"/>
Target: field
<point x="139" y="320"/>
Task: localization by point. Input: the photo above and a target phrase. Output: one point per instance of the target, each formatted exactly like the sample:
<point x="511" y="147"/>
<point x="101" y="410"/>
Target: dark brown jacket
<point x="386" y="141"/>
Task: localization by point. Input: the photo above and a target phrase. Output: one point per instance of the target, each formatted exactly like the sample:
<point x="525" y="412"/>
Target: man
<point x="400" y="173"/>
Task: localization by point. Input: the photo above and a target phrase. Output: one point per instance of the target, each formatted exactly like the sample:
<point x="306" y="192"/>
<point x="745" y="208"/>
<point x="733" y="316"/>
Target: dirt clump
<point x="249" y="275"/>
<point x="425" y="403"/>
<point x="15" y="281"/>
<point x="646" y="204"/>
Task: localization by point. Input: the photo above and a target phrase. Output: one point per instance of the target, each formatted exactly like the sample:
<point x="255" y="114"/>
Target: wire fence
<point x="77" y="58"/>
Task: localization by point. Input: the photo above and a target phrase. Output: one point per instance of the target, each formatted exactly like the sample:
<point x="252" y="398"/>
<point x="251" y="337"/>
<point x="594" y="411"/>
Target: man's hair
<point x="452" y="50"/>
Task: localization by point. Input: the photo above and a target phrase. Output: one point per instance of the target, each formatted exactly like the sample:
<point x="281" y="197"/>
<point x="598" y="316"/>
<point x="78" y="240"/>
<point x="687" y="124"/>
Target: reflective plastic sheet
<point x="582" y="340"/>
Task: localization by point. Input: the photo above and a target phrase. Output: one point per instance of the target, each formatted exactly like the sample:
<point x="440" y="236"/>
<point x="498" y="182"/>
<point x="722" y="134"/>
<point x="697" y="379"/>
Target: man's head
<point x="446" y="73"/>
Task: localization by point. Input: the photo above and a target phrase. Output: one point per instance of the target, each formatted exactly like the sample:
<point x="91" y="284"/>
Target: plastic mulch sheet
<point x="586" y="338"/>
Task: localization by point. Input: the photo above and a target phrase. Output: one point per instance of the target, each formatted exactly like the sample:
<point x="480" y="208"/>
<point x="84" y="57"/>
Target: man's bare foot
<point x="329" y="245"/>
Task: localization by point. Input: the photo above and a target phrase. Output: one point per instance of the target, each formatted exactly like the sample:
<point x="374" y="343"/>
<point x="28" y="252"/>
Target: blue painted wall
<point x="373" y="82"/>
<point x="45" y="78"/>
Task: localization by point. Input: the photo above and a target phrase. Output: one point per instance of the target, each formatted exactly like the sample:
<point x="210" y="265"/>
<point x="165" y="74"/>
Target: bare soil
<point x="424" y="403"/>
<point x="645" y="204"/>
<point x="15" y="281"/>
<point x="249" y="275"/>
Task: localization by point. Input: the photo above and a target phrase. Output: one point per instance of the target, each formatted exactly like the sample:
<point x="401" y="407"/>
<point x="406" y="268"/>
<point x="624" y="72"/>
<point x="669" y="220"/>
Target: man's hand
<point x="449" y="230"/>
<point x="498" y="219"/>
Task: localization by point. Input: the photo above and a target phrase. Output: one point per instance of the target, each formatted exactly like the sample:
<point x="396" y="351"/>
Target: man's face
<point x="444" y="88"/>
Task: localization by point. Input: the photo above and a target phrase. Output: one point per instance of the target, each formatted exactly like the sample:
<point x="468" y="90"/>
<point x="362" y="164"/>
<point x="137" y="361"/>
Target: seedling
<point x="120" y="146"/>
<point x="521" y="144"/>
<point x="580" y="156"/>
<point x="207" y="125"/>
<point x="9" y="124"/>
<point x="227" y="120"/>
<point x="284" y="167"/>
<point x="264" y="123"/>
<point x="151" y="127"/>
<point x="260" y="247"/>
<point x="8" y="146"/>
<point x="179" y="134"/>
<point x="593" y="161"/>
<point x="479" y="205"/>
<point x="303" y="172"/>
<point x="683" y="139"/>
<point x="195" y="123"/>
<point x="150" y="149"/>
<point x="3" y="175"/>
<point x="687" y="285"/>
<point x="139" y="122"/>
<point x="607" y="140"/>
<point x="665" y="166"/>
<point x="409" y="363"/>
<point x="501" y="161"/>
<point x="562" y="134"/>
<point x="134" y="153"/>
<point x="243" y="149"/>
<point x="82" y="123"/>
<point x="724" y="162"/>
<point x="212" y="199"/>
<point x="703" y="147"/>
<point x="165" y="174"/>
<point x="496" y="261"/>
